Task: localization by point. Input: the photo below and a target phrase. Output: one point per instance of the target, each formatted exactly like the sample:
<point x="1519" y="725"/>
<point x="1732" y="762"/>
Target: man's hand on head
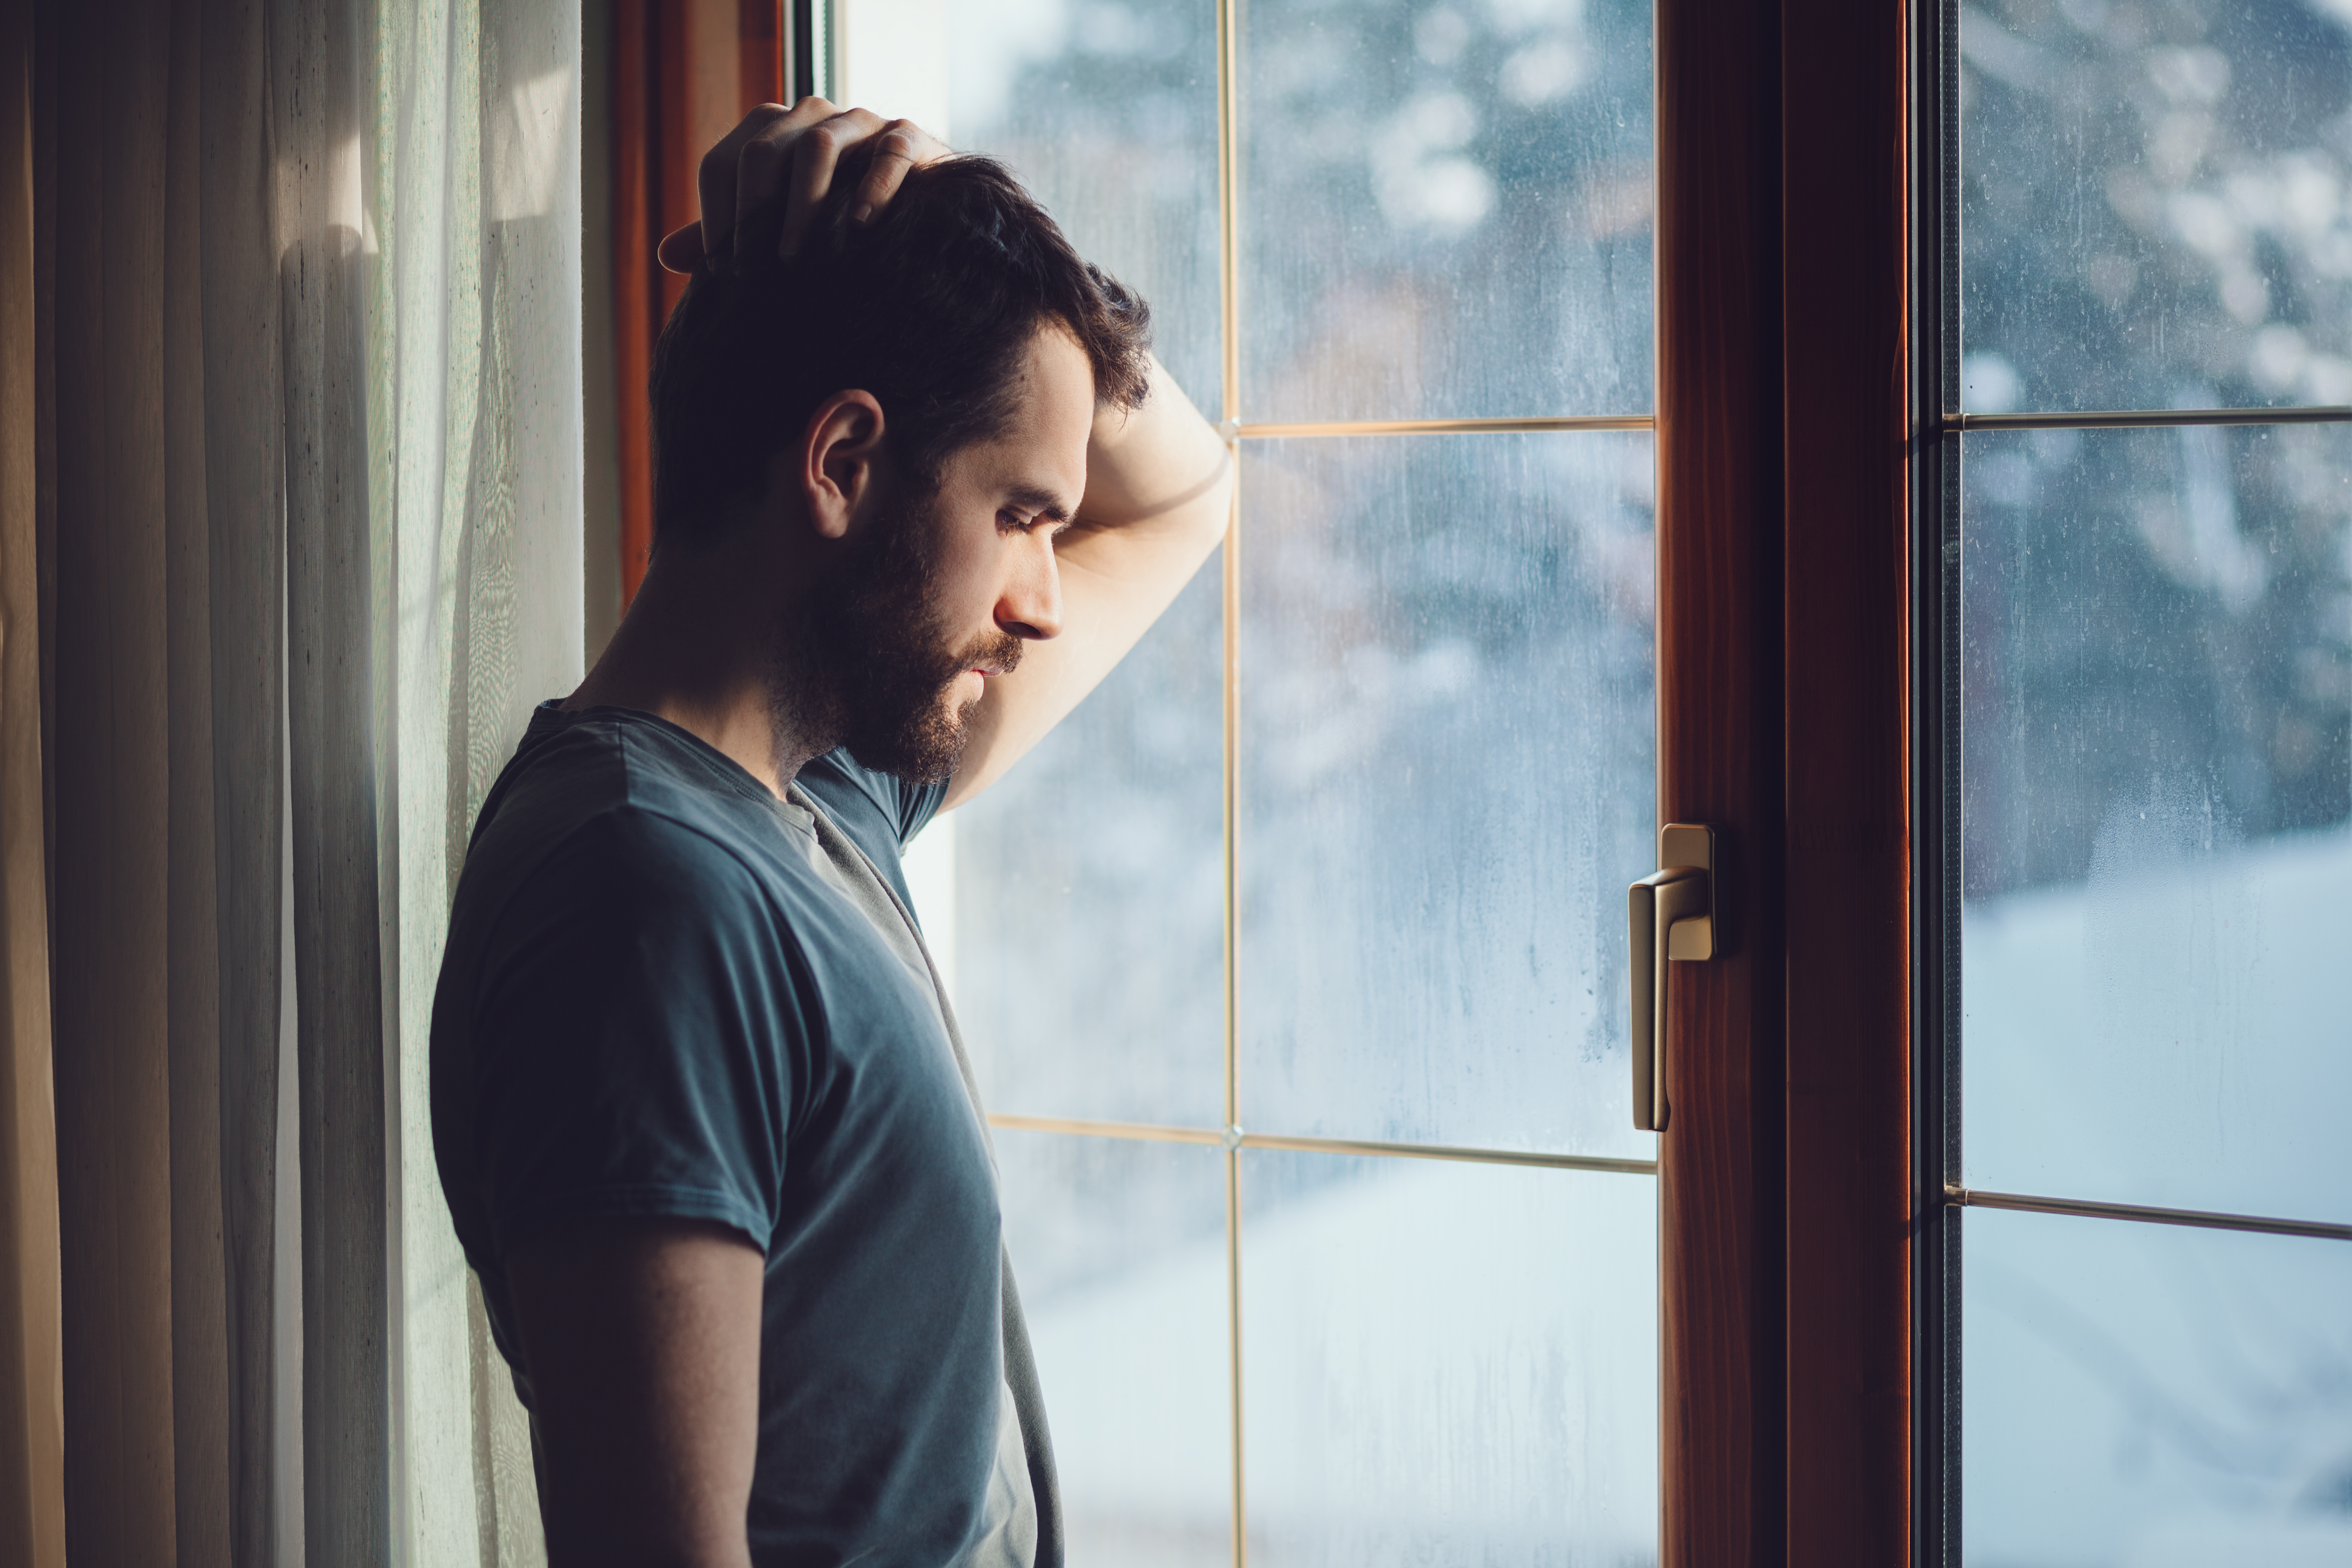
<point x="762" y="184"/>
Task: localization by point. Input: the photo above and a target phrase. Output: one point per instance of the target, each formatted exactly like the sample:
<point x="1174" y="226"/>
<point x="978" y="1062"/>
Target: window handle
<point x="1669" y="915"/>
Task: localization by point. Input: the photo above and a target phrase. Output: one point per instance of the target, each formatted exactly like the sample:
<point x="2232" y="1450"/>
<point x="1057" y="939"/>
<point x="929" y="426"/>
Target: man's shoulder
<point x="600" y="760"/>
<point x="608" y="808"/>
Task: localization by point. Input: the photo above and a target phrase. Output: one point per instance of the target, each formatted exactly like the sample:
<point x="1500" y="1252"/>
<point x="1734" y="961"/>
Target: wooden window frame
<point x="1788" y="1197"/>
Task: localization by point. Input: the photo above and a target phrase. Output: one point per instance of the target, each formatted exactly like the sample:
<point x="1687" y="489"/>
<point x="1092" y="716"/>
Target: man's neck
<point x="697" y="647"/>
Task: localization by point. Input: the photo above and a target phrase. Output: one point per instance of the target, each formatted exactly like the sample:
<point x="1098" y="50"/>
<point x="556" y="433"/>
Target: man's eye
<point x="1015" y="520"/>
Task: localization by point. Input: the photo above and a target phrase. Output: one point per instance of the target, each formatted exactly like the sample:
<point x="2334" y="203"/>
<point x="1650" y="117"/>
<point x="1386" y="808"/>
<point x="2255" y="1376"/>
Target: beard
<point x="873" y="661"/>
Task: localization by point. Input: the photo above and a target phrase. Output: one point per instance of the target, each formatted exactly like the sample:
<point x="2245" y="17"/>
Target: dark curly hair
<point x="930" y="309"/>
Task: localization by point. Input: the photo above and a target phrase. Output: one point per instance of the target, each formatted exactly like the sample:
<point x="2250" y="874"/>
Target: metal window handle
<point x="1668" y="915"/>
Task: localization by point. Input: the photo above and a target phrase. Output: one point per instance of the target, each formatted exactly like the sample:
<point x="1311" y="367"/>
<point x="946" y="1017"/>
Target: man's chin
<point x="925" y="750"/>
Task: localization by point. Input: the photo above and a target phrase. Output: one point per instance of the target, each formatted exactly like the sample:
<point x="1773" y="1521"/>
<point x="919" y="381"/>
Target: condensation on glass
<point x="1089" y="895"/>
<point x="2156" y="204"/>
<point x="2154" y="683"/>
<point x="1121" y="1250"/>
<point x="1448" y="1364"/>
<point x="1109" y="113"/>
<point x="1445" y="209"/>
<point x="2157" y="717"/>
<point x="2147" y="1396"/>
<point x="1447" y="751"/>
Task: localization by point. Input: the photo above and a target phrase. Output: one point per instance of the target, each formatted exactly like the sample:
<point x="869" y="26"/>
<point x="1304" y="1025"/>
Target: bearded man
<point x="701" y="1114"/>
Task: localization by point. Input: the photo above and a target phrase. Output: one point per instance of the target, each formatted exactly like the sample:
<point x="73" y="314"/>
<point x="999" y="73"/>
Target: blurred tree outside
<point x="2156" y="212"/>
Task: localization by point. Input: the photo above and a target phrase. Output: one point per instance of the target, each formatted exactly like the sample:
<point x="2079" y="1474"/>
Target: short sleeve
<point x="635" y="1038"/>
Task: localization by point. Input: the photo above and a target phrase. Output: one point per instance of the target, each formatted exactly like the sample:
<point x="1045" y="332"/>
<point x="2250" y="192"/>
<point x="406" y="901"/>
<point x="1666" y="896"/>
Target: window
<point x="2145" y="614"/>
<point x="1293" y="963"/>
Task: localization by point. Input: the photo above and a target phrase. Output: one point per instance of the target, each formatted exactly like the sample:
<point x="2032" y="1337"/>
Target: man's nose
<point x="1031" y="605"/>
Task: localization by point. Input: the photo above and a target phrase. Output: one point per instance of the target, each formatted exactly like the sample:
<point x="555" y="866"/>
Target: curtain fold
<point x="477" y="342"/>
<point x="199" y="1279"/>
<point x="110" y="935"/>
<point x="310" y="346"/>
<point x="318" y="92"/>
<point x="32" y="1433"/>
<point x="245" y="484"/>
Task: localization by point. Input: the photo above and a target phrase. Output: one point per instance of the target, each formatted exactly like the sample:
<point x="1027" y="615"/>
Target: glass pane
<point x="1078" y="904"/>
<point x="2148" y="1397"/>
<point x="1108" y="112"/>
<point x="1090" y="895"/>
<point x="2157" y="732"/>
<point x="1445" y="209"/>
<point x="2154" y="202"/>
<point x="1447" y="1364"/>
<point x="1121" y="1249"/>
<point x="1446" y="748"/>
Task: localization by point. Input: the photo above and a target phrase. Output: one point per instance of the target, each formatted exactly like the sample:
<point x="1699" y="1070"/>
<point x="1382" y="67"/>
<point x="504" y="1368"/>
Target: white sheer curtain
<point x="306" y="286"/>
<point x="474" y="358"/>
<point x="448" y="183"/>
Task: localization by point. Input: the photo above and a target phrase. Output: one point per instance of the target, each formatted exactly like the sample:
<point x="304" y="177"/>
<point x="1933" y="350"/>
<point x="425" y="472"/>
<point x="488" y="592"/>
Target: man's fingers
<point x="762" y="185"/>
<point x="681" y="249"/>
<point x="894" y="154"/>
<point x="815" y="156"/>
<point x="760" y="171"/>
<point x="715" y="178"/>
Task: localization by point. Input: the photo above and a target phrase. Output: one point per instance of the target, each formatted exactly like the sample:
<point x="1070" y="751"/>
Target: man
<point x="700" y="1111"/>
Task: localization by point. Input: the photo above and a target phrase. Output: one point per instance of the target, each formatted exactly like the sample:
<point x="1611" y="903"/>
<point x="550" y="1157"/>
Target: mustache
<point x="998" y="650"/>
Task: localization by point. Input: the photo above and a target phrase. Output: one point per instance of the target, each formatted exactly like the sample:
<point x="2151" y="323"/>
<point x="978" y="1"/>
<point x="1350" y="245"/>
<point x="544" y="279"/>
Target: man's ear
<point x="840" y="453"/>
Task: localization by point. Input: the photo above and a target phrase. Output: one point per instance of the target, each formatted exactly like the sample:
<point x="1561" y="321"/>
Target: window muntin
<point x="1410" y="709"/>
<point x="2153" y="803"/>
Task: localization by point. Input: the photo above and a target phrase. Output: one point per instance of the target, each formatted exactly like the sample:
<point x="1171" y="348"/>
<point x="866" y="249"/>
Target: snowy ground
<point x="2175" y="1032"/>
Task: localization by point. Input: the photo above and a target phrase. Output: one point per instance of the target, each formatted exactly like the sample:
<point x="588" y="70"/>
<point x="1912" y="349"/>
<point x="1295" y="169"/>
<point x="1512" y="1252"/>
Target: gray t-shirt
<point x="668" y="993"/>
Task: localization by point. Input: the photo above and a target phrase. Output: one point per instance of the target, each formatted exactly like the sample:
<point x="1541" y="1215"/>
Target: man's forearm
<point x="1158" y="476"/>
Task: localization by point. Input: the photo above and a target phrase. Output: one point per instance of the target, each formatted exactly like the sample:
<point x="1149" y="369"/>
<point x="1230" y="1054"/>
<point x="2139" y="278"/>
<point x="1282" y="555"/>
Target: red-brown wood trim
<point x="633" y="296"/>
<point x="759" y="51"/>
<point x="1847" y="857"/>
<point x="675" y="201"/>
<point x="667" y="104"/>
<point x="1720" y="735"/>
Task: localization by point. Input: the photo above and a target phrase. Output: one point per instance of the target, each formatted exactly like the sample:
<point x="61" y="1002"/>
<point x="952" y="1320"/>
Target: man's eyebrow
<point x="1044" y="503"/>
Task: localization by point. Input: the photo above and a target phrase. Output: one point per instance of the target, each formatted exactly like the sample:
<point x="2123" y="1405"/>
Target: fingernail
<point x="861" y="213"/>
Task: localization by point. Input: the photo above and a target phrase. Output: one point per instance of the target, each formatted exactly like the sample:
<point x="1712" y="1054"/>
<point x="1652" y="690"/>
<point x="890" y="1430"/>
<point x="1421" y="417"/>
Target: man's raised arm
<point x="1158" y="492"/>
